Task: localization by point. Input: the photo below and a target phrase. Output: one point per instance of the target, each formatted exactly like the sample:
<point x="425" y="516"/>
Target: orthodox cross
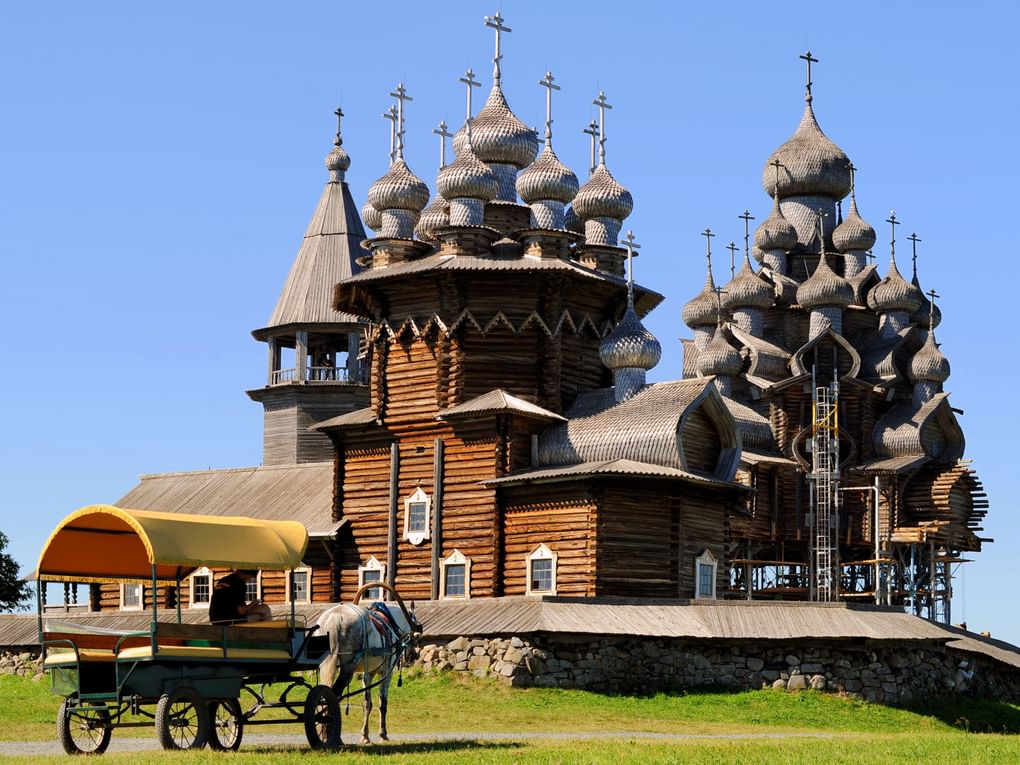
<point x="631" y="246"/>
<point x="914" y="239"/>
<point x="547" y="83"/>
<point x="538" y="138"/>
<point x="496" y="22"/>
<point x="339" y="116"/>
<point x="732" y="247"/>
<point x="602" y="104"/>
<point x="469" y="82"/>
<point x="810" y="60"/>
<point x="593" y="131"/>
<point x="719" y="292"/>
<point x="747" y="218"/>
<point x="391" y="115"/>
<point x="893" y="223"/>
<point x="931" y="311"/>
<point x="777" y="164"/>
<point x="853" y="180"/>
<point x="443" y="134"/>
<point x="400" y="93"/>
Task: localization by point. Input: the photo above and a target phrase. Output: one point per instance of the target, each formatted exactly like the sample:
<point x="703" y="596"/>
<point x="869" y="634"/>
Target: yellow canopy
<point x="102" y="543"/>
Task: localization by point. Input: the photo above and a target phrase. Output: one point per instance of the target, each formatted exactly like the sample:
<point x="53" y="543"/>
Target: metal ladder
<point x="825" y="474"/>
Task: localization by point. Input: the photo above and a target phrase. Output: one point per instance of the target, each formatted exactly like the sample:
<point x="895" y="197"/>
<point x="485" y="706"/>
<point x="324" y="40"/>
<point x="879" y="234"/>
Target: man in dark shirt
<point x="228" y="605"/>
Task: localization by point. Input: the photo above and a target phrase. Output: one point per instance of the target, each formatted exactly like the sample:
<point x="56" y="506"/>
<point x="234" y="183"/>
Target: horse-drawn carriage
<point x="188" y="680"/>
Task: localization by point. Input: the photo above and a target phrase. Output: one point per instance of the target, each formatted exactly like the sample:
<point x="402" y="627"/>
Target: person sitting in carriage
<point x="228" y="604"/>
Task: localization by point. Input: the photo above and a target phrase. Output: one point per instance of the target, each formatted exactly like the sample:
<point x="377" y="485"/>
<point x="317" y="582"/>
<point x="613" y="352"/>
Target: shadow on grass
<point x="970" y="714"/>
<point x="385" y="750"/>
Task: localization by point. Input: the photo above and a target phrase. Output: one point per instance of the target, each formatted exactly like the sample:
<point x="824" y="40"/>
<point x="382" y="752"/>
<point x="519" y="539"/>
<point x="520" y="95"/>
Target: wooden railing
<point x="312" y="374"/>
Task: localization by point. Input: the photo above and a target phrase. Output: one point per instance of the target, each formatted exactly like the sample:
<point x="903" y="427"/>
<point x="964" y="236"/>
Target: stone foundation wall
<point x="24" y="663"/>
<point x="886" y="673"/>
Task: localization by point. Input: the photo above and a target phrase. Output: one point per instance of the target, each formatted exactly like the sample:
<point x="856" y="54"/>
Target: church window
<point x="201" y="588"/>
<point x="372" y="571"/>
<point x="416" y="517"/>
<point x="705" y="566"/>
<point x="541" y="572"/>
<point x="131" y="597"/>
<point x="455" y="577"/>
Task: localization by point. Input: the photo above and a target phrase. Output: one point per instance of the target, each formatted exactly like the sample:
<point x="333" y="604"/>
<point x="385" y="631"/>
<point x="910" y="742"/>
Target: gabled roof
<point x="355" y="419"/>
<point x="326" y="256"/>
<point x="301" y="492"/>
<point x="499" y="401"/>
<point x="616" y="467"/>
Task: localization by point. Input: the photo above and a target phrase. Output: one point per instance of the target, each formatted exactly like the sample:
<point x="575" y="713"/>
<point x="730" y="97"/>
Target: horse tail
<point x="327" y="667"/>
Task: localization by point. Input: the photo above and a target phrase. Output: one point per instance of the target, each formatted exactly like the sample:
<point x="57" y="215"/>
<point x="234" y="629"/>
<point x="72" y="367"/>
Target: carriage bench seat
<point x="60" y="657"/>
<point x="202" y="652"/>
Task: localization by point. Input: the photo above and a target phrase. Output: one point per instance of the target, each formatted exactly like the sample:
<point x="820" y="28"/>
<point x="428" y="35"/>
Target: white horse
<point x="371" y="641"/>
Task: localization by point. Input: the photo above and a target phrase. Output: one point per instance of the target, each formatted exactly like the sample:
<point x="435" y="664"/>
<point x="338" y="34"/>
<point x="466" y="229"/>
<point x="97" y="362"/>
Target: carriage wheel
<point x="227" y="725"/>
<point x="83" y="727"/>
<point x="322" y="718"/>
<point x="182" y="720"/>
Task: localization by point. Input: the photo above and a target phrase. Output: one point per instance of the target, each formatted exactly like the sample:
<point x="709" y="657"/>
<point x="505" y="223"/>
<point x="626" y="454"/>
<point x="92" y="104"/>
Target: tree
<point x="14" y="590"/>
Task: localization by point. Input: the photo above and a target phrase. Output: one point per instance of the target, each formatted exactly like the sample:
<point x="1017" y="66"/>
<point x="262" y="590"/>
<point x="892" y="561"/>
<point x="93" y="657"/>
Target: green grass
<point x="844" y="730"/>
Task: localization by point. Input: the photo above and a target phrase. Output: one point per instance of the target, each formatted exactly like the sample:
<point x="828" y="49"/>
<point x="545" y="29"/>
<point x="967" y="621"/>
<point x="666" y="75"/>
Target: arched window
<point x="705" y="567"/>
<point x="541" y="568"/>
<point x="417" y="509"/>
<point x="455" y="576"/>
<point x="372" y="571"/>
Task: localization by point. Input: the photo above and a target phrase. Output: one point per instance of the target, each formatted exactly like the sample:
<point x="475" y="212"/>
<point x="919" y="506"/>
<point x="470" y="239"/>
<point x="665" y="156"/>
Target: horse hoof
<point x="383" y="737"/>
<point x="364" y="740"/>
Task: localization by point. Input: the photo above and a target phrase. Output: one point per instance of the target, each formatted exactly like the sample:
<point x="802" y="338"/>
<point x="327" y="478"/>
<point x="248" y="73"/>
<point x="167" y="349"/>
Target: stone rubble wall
<point x="25" y="663"/>
<point x="886" y="673"/>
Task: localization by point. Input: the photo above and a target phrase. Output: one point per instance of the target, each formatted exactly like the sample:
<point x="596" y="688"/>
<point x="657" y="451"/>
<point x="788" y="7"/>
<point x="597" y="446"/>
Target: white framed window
<point x="253" y="588"/>
<point x="299" y="585"/>
<point x="131" y="596"/>
<point x="372" y="571"/>
<point x="455" y="576"/>
<point x="200" y="588"/>
<point x="705" y="566"/>
<point x="417" y="509"/>
<point x="541" y="567"/>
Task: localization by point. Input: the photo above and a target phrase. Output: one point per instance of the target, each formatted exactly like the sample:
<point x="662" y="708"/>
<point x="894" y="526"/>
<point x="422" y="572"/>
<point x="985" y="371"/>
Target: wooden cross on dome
<point x="631" y="246"/>
<point x="470" y="83"/>
<point x="776" y="164"/>
<point x="593" y="131"/>
<point x="391" y="115"/>
<point x="810" y="60"/>
<point x="747" y="218"/>
<point x="932" y="295"/>
<point x="339" y="117"/>
<point x="821" y="231"/>
<point x="443" y="134"/>
<point x="719" y="292"/>
<point x="496" y="22"/>
<point x="914" y="239"/>
<point x="893" y="223"/>
<point x="602" y="104"/>
<point x="400" y="93"/>
<point x="853" y="180"/>
<point x="732" y="247"/>
<point x="547" y="83"/>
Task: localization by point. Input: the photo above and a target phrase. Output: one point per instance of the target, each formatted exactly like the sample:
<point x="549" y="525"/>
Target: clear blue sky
<point x="159" y="165"/>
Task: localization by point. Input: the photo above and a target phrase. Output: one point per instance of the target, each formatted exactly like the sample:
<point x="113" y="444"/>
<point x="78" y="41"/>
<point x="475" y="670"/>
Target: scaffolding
<point x="825" y="488"/>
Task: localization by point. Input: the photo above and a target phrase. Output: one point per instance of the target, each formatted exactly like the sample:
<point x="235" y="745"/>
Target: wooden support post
<point x="353" y="365"/>
<point x="437" y="515"/>
<point x="274" y="360"/>
<point x="391" y="545"/>
<point x="301" y="356"/>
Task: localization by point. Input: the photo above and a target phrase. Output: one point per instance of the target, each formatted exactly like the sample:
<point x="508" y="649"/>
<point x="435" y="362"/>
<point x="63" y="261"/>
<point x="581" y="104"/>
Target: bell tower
<point x="313" y="370"/>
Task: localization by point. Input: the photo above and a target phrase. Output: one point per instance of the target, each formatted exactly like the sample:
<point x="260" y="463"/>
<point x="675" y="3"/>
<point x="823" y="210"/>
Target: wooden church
<point x="458" y="405"/>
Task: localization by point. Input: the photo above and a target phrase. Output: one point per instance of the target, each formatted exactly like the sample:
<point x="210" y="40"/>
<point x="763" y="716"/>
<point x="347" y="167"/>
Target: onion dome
<point x="571" y="222"/>
<point x="338" y="161"/>
<point x="719" y="357"/>
<point x="603" y="197"/>
<point x="630" y="345"/>
<point x="371" y="217"/>
<point x="399" y="189"/>
<point x="775" y="232"/>
<point x="703" y="308"/>
<point x="854" y="233"/>
<point x="894" y="293"/>
<point x="748" y="290"/>
<point x="929" y="363"/>
<point x="813" y="164"/>
<point x="467" y="178"/>
<point x="547" y="178"/>
<point x="825" y="288"/>
<point x="498" y="136"/>
<point x="433" y="217"/>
